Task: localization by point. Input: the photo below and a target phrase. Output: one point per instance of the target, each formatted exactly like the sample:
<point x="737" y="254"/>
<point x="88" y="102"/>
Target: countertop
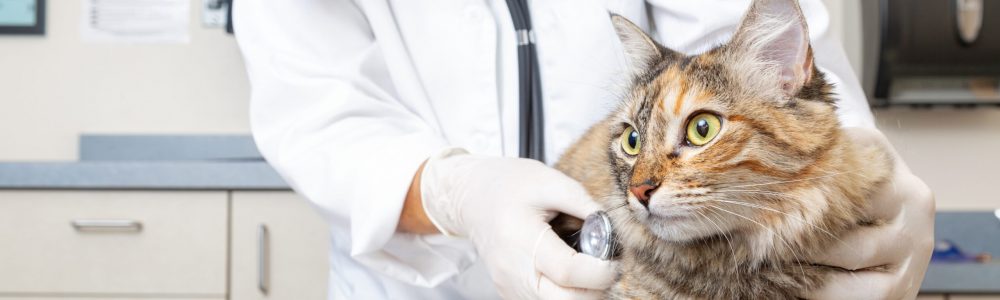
<point x="973" y="232"/>
<point x="962" y="278"/>
<point x="209" y="162"/>
<point x="158" y="175"/>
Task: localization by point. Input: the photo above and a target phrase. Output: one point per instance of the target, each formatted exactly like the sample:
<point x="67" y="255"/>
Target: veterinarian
<point x="367" y="108"/>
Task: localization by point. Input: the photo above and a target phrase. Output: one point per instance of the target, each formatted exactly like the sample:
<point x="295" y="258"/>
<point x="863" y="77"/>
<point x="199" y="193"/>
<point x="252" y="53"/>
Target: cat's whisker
<point x="729" y="242"/>
<point x="763" y="191"/>
<point x="770" y="193"/>
<point x="624" y="204"/>
<point x="794" y="217"/>
<point x="795" y="180"/>
<point x="798" y="259"/>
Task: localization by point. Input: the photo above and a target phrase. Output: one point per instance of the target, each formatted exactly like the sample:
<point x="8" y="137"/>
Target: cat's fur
<point x="775" y="187"/>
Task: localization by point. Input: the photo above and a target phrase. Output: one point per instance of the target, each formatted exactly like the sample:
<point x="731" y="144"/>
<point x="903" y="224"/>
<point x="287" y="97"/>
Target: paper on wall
<point x="136" y="21"/>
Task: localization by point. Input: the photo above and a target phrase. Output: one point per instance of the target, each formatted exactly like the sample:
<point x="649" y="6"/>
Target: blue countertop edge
<point x="152" y="175"/>
<point x="962" y="278"/>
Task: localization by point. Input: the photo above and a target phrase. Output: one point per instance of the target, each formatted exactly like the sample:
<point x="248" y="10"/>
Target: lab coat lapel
<point x="452" y="45"/>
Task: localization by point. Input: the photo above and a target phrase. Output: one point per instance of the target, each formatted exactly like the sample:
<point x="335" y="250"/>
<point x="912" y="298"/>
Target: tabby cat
<point x="723" y="171"/>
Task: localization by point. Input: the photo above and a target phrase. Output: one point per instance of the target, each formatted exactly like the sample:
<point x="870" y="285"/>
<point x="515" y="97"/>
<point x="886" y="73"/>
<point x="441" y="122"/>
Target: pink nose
<point x="643" y="192"/>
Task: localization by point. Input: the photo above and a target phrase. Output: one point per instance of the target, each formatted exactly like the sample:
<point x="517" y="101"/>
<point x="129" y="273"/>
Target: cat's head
<point x="710" y="143"/>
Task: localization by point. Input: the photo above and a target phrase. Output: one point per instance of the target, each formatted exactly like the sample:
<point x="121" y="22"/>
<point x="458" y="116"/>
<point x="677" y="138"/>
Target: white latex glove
<point x="503" y="205"/>
<point x="904" y="244"/>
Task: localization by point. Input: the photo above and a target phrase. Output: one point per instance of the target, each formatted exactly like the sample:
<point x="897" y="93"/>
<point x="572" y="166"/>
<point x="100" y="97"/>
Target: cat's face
<point x="701" y="141"/>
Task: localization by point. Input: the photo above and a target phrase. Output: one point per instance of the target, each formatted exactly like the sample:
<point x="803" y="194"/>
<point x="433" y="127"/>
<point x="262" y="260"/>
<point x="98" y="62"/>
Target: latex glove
<point x="503" y="205"/>
<point x="904" y="244"/>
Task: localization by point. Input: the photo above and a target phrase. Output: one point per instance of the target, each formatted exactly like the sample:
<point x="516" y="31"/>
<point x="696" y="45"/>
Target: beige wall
<point x="55" y="87"/>
<point x="957" y="152"/>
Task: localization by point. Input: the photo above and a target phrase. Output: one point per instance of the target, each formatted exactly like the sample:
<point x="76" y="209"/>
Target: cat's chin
<point x="678" y="228"/>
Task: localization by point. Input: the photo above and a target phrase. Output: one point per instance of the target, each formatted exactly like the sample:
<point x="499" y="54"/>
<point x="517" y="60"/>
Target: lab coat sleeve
<point x="830" y="58"/>
<point x="325" y="115"/>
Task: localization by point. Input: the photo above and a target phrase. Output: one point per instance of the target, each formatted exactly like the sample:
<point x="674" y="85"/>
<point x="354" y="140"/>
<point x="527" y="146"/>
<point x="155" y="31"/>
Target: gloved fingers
<point x="868" y="247"/>
<point x="859" y="285"/>
<point x="547" y="289"/>
<point x="902" y="188"/>
<point x="869" y="136"/>
<point x="886" y="202"/>
<point x="917" y="197"/>
<point x="902" y="191"/>
<point x="568" y="196"/>
<point x="568" y="268"/>
<point x="909" y="229"/>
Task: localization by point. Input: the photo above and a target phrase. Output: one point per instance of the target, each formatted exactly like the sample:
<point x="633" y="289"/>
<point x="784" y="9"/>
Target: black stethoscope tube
<point x="530" y="125"/>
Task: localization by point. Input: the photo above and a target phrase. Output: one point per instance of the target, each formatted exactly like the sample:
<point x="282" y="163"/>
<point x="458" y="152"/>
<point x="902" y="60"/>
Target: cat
<point x="722" y="172"/>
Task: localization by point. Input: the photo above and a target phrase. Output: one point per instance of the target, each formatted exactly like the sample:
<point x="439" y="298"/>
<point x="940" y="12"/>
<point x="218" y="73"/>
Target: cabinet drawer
<point x="280" y="248"/>
<point x="140" y="243"/>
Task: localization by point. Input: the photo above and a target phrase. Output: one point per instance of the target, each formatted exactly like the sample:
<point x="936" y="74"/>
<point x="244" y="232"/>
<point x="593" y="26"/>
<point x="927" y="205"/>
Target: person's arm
<point x="325" y="114"/>
<point x="413" y="219"/>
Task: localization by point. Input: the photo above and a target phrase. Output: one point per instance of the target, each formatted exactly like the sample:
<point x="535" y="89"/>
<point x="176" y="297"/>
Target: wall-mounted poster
<point x="136" y="21"/>
<point x="22" y="17"/>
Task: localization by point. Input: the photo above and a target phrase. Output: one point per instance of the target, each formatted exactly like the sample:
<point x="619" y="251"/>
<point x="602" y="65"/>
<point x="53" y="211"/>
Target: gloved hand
<point x="503" y="205"/>
<point x="903" y="245"/>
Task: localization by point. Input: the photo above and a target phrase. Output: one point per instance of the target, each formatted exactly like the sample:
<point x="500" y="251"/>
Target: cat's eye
<point x="630" y="141"/>
<point x="703" y="128"/>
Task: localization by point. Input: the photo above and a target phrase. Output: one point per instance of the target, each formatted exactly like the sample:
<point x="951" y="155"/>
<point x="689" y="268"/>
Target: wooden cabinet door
<point x="113" y="243"/>
<point x="279" y="248"/>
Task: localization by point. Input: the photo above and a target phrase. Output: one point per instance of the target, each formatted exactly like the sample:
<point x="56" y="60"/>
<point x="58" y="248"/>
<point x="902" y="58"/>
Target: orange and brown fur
<point x="737" y="217"/>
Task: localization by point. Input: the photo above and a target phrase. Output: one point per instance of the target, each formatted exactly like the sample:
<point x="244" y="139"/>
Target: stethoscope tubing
<point x="531" y="129"/>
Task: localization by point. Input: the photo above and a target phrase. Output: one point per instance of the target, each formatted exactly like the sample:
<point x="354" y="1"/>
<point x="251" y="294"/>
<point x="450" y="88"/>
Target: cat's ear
<point x="640" y="50"/>
<point x="773" y="39"/>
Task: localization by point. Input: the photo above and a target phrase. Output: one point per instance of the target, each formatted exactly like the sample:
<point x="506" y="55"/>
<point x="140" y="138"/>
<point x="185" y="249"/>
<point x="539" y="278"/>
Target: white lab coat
<point x="349" y="97"/>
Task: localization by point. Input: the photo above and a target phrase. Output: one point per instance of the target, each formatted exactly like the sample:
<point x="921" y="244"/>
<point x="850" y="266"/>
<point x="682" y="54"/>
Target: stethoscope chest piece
<point x="597" y="236"/>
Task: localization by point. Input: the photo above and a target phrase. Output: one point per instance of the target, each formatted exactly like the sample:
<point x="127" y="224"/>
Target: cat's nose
<point x="643" y="192"/>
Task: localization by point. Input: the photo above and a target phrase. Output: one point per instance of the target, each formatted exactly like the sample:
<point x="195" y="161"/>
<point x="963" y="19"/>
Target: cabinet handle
<point x="263" y="259"/>
<point x="106" y="225"/>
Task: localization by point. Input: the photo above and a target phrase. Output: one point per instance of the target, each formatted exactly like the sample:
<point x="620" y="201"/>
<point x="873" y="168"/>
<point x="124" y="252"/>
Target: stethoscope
<point x="596" y="237"/>
<point x="530" y="125"/>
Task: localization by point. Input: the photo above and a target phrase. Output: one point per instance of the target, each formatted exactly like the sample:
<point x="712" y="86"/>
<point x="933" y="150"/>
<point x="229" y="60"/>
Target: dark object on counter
<point x="916" y="42"/>
<point x="947" y="251"/>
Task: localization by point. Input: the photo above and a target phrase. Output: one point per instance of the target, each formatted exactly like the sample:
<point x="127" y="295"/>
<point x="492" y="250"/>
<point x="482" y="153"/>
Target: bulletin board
<point x="22" y="17"/>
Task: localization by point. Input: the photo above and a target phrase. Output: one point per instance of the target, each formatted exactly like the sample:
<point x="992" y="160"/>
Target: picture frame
<point x="17" y="17"/>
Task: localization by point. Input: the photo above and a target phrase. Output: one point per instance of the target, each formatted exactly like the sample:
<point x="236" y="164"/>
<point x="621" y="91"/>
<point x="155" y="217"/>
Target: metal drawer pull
<point x="106" y="225"/>
<point x="263" y="261"/>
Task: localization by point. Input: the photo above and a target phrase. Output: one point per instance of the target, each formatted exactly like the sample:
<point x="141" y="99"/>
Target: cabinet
<point x="113" y="243"/>
<point x="96" y="244"/>
<point x="279" y="249"/>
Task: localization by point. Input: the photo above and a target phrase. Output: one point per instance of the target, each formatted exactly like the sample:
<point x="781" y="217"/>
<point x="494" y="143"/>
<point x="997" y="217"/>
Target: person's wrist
<point x="442" y="210"/>
<point x="412" y="218"/>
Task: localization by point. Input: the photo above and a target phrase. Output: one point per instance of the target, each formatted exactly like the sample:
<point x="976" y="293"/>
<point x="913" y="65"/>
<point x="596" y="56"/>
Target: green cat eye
<point x="630" y="141"/>
<point x="703" y="128"/>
